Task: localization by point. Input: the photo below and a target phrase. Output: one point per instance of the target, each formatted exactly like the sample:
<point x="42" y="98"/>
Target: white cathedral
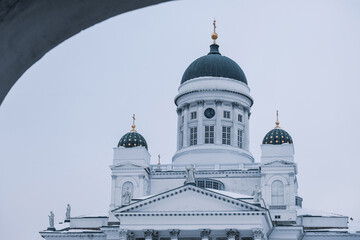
<point x="213" y="189"/>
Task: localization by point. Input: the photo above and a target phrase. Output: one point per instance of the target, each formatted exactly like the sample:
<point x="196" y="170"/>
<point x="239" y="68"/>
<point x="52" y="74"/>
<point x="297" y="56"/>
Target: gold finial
<point x="277" y="119"/>
<point x="133" y="125"/>
<point x="159" y="159"/>
<point x="214" y="36"/>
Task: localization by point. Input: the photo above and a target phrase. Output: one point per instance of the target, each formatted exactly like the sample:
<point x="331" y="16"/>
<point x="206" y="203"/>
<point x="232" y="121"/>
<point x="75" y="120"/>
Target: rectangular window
<point x="209" y="134"/>
<point x="240" y="138"/>
<point x="193" y="136"/>
<point x="193" y="115"/>
<point x="227" y="114"/>
<point x="226" y="135"/>
<point x="208" y="184"/>
<point x="240" y="118"/>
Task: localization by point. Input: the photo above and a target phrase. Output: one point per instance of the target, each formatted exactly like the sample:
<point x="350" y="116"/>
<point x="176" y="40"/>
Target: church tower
<point x="130" y="169"/>
<point x="213" y="106"/>
<point x="278" y="179"/>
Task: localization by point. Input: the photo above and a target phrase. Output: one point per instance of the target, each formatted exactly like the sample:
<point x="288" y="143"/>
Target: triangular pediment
<point x="188" y="198"/>
<point x="127" y="165"/>
<point x="278" y="163"/>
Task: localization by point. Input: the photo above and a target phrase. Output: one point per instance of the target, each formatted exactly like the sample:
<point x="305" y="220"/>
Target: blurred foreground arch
<point x="31" y="28"/>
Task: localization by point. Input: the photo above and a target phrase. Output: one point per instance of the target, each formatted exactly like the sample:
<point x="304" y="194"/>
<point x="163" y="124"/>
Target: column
<point x="258" y="234"/>
<point x="149" y="234"/>
<point x="246" y="129"/>
<point x="232" y="234"/>
<point x="185" y="128"/>
<point x="113" y="186"/>
<point x="205" y="234"/>
<point x="218" y="127"/>
<point x="235" y="127"/>
<point x="122" y="234"/>
<point x="200" y="127"/>
<point x="174" y="234"/>
<point x="178" y="110"/>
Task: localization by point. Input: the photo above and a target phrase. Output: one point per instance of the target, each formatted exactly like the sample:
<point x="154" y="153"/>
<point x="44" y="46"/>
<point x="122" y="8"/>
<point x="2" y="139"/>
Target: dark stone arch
<point x="31" y="28"/>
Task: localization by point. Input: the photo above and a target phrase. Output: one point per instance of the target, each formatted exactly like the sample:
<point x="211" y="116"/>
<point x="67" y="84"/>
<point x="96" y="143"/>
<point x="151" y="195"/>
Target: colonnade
<point x="203" y="234"/>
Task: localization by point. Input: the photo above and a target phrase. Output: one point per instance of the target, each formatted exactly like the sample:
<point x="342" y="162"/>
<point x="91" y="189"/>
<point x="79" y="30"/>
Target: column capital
<point x="179" y="110"/>
<point x="232" y="233"/>
<point x="148" y="233"/>
<point x="130" y="236"/>
<point x="201" y="102"/>
<point x="174" y="233"/>
<point x="113" y="177"/>
<point x="123" y="233"/>
<point x="218" y="102"/>
<point x="258" y="233"/>
<point x="186" y="105"/>
<point x="205" y="233"/>
<point x="235" y="104"/>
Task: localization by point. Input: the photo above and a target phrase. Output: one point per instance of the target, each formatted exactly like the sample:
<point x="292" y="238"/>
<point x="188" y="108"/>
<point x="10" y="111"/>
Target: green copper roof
<point x="132" y="139"/>
<point x="277" y="136"/>
<point x="214" y="65"/>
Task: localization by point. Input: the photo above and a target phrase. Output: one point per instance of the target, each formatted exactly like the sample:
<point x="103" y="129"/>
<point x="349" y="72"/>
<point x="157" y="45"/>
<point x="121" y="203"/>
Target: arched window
<point x="277" y="193"/>
<point x="127" y="191"/>
<point x="209" y="183"/>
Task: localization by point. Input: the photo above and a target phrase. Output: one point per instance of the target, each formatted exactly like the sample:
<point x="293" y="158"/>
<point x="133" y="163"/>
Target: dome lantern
<point x="132" y="138"/>
<point x="277" y="135"/>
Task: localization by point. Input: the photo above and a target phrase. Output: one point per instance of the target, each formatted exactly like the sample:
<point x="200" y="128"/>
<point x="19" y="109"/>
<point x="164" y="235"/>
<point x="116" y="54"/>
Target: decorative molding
<point x="249" y="207"/>
<point x="218" y="102"/>
<point x="191" y="214"/>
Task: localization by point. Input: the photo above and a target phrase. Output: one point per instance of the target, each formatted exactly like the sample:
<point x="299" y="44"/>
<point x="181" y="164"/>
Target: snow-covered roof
<point x="230" y="194"/>
<point x="354" y="226"/>
<point x="316" y="213"/>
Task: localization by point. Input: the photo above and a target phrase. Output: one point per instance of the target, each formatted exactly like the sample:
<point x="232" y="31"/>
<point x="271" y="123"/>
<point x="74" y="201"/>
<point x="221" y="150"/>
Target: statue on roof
<point x="51" y="219"/>
<point x="190" y="175"/>
<point x="257" y="194"/>
<point x="68" y="210"/>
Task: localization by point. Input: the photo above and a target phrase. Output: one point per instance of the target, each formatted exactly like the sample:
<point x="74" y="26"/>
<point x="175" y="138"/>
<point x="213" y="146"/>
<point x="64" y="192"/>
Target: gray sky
<point x="60" y="121"/>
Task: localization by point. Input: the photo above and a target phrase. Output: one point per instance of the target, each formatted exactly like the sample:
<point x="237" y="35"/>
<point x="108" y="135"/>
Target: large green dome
<point x="214" y="65"/>
<point x="132" y="139"/>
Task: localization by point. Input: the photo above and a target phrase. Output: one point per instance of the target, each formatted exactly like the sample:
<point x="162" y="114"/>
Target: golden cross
<point x="277" y="119"/>
<point x="133" y="126"/>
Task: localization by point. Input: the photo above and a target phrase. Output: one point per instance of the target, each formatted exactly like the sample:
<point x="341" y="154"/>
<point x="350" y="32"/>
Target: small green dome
<point x="277" y="136"/>
<point x="132" y="139"/>
<point x="214" y="65"/>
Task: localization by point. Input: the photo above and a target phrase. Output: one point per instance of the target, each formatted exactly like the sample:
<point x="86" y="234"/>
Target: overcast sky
<point x="61" y="120"/>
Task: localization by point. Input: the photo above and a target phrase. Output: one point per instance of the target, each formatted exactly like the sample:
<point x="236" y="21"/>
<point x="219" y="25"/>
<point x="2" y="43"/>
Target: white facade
<point x="234" y="197"/>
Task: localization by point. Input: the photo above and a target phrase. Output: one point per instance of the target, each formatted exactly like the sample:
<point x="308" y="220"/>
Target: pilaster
<point x="185" y="128"/>
<point x="178" y="110"/>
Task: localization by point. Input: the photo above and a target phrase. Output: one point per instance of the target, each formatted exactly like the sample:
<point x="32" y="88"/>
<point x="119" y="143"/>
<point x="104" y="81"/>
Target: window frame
<point x="226" y="135"/>
<point x="209" y="135"/>
<point x="193" y="136"/>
